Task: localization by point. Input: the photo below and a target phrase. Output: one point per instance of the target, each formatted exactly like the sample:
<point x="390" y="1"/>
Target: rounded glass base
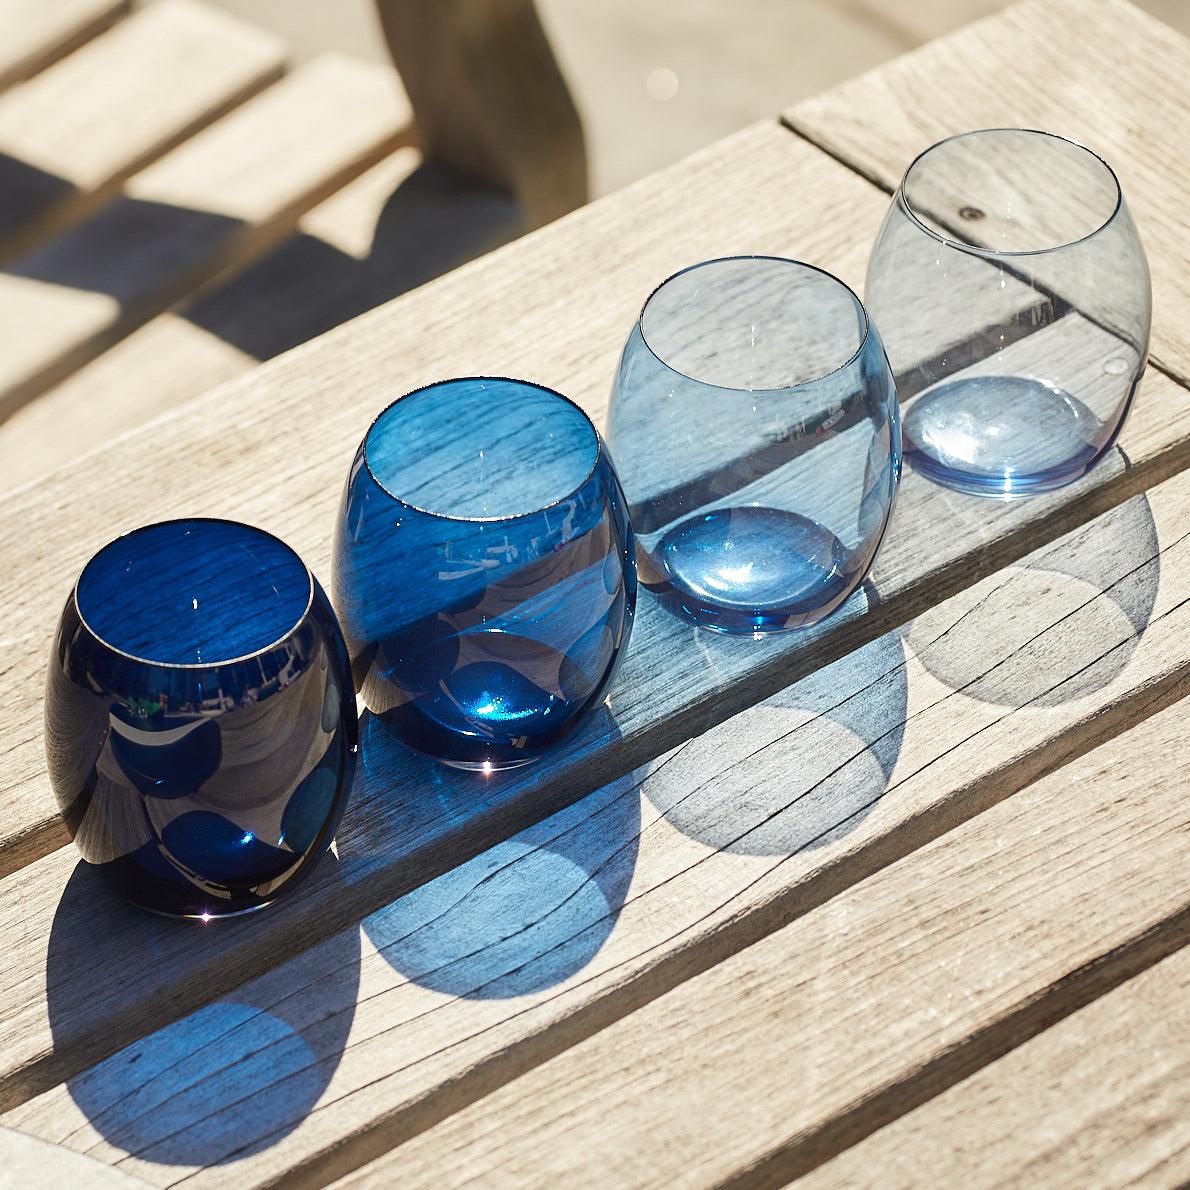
<point x="750" y="571"/>
<point x="1002" y="436"/>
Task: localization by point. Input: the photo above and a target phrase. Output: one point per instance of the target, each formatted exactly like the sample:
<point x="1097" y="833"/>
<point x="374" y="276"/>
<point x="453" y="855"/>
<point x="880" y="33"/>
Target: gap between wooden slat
<point x="1083" y="667"/>
<point x="1098" y="1099"/>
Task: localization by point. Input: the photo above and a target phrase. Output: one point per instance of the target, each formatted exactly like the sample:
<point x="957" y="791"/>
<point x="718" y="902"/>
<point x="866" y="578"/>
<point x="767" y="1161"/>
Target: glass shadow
<point x="525" y="914"/>
<point x="1058" y="626"/>
<point x="227" y="1080"/>
<point x="818" y="755"/>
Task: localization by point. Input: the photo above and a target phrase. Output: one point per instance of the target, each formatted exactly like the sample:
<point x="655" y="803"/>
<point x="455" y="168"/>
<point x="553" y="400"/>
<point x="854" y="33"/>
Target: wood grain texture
<point x="1076" y="79"/>
<point x="812" y="1038"/>
<point x="164" y="362"/>
<point x="393" y="837"/>
<point x="508" y="959"/>
<point x="212" y="204"/>
<point x="38" y="32"/>
<point x="72" y="133"/>
<point x="1100" y="1099"/>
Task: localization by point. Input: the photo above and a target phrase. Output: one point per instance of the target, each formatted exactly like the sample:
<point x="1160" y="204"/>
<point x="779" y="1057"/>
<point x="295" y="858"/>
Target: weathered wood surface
<point x="328" y="393"/>
<point x="389" y="230"/>
<point x="164" y="362"/>
<point x="557" y="325"/>
<point x="809" y="1040"/>
<point x="394" y="843"/>
<point x="38" y="32"/>
<point x="1098" y="1099"/>
<point x="212" y="204"/>
<point x="72" y="133"/>
<point x="526" y="949"/>
<point x="1100" y="71"/>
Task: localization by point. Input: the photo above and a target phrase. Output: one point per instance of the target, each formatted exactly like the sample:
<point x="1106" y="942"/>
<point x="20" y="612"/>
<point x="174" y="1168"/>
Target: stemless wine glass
<point x="1013" y="294"/>
<point x="200" y="721"/>
<point x="484" y="570"/>
<point x="755" y="424"/>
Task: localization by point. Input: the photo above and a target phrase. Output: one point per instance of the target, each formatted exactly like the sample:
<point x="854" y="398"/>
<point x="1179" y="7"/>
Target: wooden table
<point x="902" y="900"/>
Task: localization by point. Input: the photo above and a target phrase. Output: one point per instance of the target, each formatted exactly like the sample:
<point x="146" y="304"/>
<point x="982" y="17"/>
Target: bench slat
<point x="811" y="1039"/>
<point x="526" y="949"/>
<point x="322" y="395"/>
<point x="71" y="134"/>
<point x="1058" y="65"/>
<point x="1099" y="1099"/>
<point x="213" y="203"/>
<point x="386" y="232"/>
<point x="38" y="32"/>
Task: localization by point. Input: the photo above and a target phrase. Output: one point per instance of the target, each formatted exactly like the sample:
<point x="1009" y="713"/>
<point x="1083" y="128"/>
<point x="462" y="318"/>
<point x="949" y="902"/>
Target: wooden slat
<point x="1059" y="65"/>
<point x="528" y="948"/>
<point x="790" y="1050"/>
<point x="38" y="32"/>
<point x="213" y="203"/>
<point x="1101" y="1099"/>
<point x="280" y="444"/>
<point x="71" y="134"/>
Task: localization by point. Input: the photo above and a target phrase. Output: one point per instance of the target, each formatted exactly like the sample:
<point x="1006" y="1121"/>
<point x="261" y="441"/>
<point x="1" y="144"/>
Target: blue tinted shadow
<point x="523" y="915"/>
<point x="228" y="1080"/>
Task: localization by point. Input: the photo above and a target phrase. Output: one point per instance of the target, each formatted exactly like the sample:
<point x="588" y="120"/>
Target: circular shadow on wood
<point x="229" y="1079"/>
<point x="1062" y="624"/>
<point x="798" y="770"/>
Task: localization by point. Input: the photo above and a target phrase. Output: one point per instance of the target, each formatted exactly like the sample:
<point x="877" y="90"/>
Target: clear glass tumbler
<point x="484" y="570"/>
<point x="754" y="423"/>
<point x="1013" y="294"/>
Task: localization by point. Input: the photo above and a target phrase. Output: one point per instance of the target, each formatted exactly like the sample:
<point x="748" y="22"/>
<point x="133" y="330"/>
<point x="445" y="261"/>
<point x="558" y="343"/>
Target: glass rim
<point x="195" y="665"/>
<point x="757" y="256"/>
<point x="995" y="253"/>
<point x="485" y="520"/>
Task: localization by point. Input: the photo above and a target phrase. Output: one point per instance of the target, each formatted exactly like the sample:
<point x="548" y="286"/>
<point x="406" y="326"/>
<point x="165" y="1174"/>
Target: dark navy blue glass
<point x="484" y="570"/>
<point x="201" y="726"/>
<point x="755" y="424"/>
<point x="1013" y="293"/>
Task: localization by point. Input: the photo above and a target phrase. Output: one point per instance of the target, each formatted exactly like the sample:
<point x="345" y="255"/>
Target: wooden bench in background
<point x="173" y="210"/>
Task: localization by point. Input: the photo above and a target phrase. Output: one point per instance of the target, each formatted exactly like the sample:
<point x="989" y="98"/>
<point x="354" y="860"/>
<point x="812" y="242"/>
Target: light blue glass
<point x="484" y="570"/>
<point x="754" y="421"/>
<point x="1013" y="294"/>
<point x="201" y="727"/>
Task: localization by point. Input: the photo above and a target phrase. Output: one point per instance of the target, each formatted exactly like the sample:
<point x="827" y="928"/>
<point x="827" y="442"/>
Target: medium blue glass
<point x="1013" y="293"/>
<point x="484" y="570"/>
<point x="755" y="423"/>
<point x="200" y="719"/>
